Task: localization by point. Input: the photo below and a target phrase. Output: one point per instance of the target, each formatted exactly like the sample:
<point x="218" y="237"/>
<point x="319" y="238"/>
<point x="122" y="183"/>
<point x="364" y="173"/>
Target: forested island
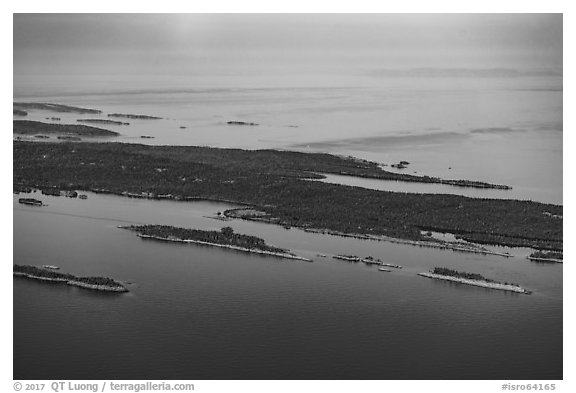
<point x="53" y="107"/>
<point x="225" y="238"/>
<point x="241" y="123"/>
<point x="475" y="279"/>
<point x="546" y="256"/>
<point x="129" y="116"/>
<point x="276" y="185"/>
<point x="103" y="121"/>
<point x="19" y="112"/>
<point x="95" y="283"/>
<point x="29" y="127"/>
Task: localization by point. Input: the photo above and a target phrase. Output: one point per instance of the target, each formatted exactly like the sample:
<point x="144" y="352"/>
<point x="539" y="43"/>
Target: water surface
<point x="208" y="313"/>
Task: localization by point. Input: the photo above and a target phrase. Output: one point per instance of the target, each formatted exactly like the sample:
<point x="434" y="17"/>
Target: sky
<point x="68" y="47"/>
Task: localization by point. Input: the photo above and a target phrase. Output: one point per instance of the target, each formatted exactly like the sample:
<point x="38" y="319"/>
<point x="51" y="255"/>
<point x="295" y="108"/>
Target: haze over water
<point x="474" y="97"/>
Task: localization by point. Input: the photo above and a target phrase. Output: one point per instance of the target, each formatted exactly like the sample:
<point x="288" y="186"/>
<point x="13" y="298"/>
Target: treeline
<point x="225" y="237"/>
<point x="246" y="177"/>
<point x="547" y="254"/>
<point x="444" y="271"/>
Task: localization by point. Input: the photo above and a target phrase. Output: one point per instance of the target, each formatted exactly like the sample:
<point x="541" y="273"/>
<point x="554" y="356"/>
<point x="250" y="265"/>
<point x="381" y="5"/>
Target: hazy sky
<point x="228" y="44"/>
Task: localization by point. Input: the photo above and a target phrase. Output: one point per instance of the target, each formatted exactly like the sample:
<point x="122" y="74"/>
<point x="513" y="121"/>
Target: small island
<point x="129" y="116"/>
<point x="546" y="256"/>
<point x="226" y="238"/>
<point x="30" y="201"/>
<point x="475" y="279"/>
<point x="48" y="274"/>
<point x="29" y="127"/>
<point x="241" y="123"/>
<point x="401" y="165"/>
<point x="103" y="121"/>
<point x="19" y="112"/>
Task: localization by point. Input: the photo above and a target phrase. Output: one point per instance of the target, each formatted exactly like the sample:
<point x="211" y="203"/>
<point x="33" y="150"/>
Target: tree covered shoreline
<point x="276" y="183"/>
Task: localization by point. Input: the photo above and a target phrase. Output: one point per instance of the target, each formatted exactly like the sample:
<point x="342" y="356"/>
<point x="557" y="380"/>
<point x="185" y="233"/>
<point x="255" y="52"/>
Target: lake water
<point x="207" y="313"/>
<point x="497" y="130"/>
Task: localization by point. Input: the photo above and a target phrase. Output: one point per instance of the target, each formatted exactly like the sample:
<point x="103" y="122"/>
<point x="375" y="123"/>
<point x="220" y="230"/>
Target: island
<point x="30" y="201"/>
<point x="241" y="123"/>
<point x="19" y="112"/>
<point x="349" y="258"/>
<point x="475" y="279"/>
<point x="57" y="192"/>
<point x="225" y="238"/>
<point x="69" y="138"/>
<point x="103" y="121"/>
<point x="29" y="127"/>
<point x="129" y="116"/>
<point x="546" y="256"/>
<point x="48" y="274"/>
<point x="401" y="165"/>
<point x="53" y="107"/>
<point x="275" y="187"/>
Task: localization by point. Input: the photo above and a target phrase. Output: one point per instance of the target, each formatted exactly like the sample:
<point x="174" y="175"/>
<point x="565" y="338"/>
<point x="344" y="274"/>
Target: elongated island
<point x="95" y="283"/>
<point x="475" y="279"/>
<point x="546" y="256"/>
<point x="226" y="238"/>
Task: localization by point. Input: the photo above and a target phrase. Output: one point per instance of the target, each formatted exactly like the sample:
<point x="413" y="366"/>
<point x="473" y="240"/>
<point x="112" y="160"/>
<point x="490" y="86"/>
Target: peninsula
<point x="226" y="238"/>
<point x="275" y="188"/>
<point x="442" y="273"/>
<point x="48" y="274"/>
<point x="29" y="127"/>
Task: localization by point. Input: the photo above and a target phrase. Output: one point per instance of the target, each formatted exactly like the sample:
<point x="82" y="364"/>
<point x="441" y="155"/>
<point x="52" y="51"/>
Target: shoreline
<point x="478" y="283"/>
<point x="458" y="247"/>
<point x="104" y="288"/>
<point x="550" y="260"/>
<point x="231" y="247"/>
<point x="473" y="248"/>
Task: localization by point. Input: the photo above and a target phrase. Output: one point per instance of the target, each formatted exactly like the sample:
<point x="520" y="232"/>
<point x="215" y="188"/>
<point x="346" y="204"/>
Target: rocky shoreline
<point x="231" y="247"/>
<point x="478" y="283"/>
<point x="548" y="260"/>
<point x="105" y="288"/>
